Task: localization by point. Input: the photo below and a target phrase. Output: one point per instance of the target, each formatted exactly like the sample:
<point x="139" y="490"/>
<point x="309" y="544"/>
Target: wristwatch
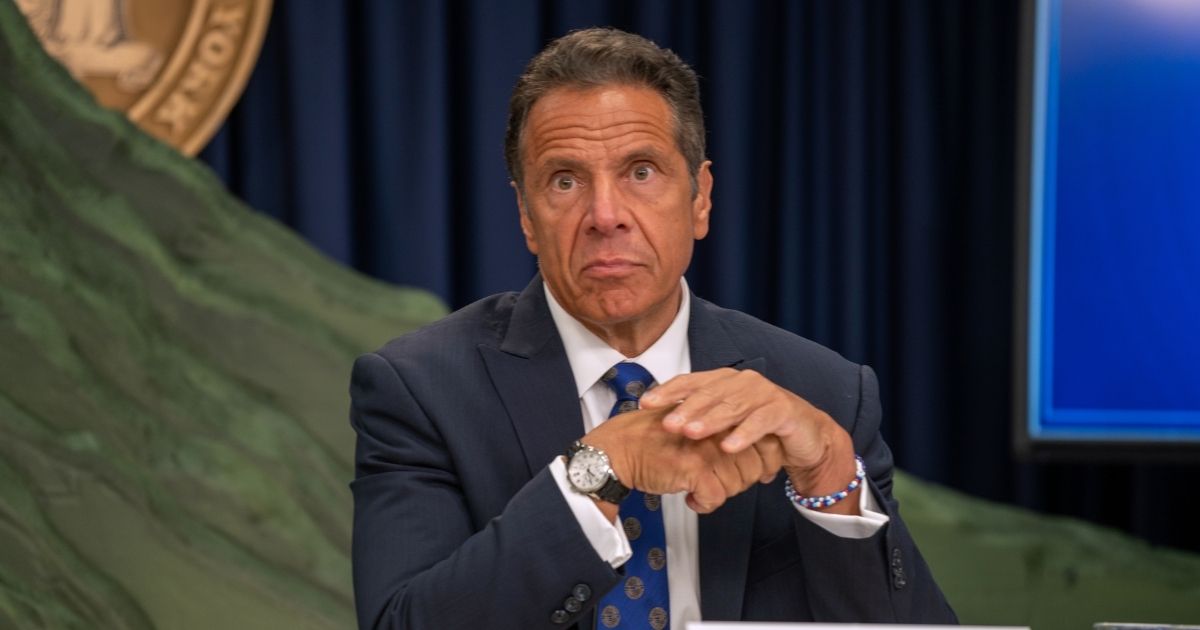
<point x="590" y="472"/>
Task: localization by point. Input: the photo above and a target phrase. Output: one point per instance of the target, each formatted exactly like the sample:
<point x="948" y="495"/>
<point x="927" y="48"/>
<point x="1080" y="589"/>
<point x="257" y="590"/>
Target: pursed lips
<point x="610" y="267"/>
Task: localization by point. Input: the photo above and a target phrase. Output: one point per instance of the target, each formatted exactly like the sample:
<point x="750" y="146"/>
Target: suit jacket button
<point x="572" y="605"/>
<point x="897" y="561"/>
<point x="581" y="592"/>
<point x="898" y="578"/>
<point x="559" y="616"/>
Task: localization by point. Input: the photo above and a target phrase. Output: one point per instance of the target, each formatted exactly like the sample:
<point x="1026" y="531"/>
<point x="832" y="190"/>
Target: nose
<point x="607" y="213"/>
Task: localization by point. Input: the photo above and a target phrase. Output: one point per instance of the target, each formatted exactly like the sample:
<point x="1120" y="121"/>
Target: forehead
<point x="597" y="119"/>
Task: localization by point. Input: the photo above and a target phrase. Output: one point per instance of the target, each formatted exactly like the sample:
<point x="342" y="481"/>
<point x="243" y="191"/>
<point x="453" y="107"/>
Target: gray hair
<point x="606" y="56"/>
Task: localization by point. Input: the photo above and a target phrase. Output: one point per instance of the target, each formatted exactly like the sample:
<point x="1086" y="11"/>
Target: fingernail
<point x="673" y="420"/>
<point x="732" y="442"/>
<point x="650" y="397"/>
<point x="695" y="427"/>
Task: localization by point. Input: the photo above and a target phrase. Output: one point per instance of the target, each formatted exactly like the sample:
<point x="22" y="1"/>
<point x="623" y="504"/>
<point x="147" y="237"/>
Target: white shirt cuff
<point x="607" y="537"/>
<point x="844" y="525"/>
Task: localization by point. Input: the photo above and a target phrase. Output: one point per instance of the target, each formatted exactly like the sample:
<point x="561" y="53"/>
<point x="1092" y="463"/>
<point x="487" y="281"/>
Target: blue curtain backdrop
<point x="864" y="163"/>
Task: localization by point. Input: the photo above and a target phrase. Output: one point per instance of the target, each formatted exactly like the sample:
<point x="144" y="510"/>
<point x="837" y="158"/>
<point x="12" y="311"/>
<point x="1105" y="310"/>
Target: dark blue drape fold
<point x="864" y="163"/>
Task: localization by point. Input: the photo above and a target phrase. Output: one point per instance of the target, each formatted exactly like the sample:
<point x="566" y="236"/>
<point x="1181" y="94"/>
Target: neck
<point x="631" y="339"/>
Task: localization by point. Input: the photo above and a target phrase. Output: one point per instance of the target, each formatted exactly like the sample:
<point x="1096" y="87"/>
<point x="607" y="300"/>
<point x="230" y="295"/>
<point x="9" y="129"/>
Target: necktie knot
<point x="629" y="381"/>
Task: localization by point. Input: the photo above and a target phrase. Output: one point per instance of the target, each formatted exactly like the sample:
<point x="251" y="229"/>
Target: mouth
<point x="610" y="267"/>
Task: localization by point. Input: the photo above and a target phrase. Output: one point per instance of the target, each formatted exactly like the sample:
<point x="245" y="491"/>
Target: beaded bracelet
<point x="817" y="503"/>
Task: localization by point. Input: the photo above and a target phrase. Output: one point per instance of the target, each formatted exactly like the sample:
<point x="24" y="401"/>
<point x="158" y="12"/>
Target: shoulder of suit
<point x="482" y="322"/>
<point x="756" y="338"/>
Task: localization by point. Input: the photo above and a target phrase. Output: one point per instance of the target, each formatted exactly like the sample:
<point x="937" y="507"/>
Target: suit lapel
<point x="533" y="377"/>
<point x="726" y="534"/>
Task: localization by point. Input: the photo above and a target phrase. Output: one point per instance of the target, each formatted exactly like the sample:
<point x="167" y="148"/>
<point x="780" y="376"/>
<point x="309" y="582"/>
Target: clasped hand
<point x="713" y="434"/>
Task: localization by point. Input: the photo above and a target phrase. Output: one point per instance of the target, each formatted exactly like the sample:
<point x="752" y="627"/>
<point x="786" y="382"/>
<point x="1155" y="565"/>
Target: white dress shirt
<point x="667" y="358"/>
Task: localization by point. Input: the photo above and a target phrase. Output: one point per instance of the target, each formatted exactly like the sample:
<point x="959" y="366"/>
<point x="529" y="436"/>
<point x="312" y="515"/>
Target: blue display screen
<point x="1114" y="286"/>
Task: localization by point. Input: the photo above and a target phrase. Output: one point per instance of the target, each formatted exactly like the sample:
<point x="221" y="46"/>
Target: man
<point x="493" y="489"/>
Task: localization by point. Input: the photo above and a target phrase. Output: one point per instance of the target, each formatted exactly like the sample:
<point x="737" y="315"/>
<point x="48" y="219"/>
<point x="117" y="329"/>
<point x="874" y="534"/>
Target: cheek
<point x="678" y="253"/>
<point x="556" y="233"/>
<point x="670" y="232"/>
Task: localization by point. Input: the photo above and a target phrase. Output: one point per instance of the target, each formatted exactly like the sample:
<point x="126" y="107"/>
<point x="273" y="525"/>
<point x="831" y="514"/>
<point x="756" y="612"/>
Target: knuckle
<point x="750" y="376"/>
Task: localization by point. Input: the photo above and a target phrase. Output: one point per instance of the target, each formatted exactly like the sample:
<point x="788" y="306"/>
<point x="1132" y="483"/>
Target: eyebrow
<point x="647" y="154"/>
<point x="556" y="164"/>
<point x="644" y="153"/>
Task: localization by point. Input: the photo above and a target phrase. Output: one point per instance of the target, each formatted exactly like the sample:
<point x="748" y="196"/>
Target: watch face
<point x="588" y="470"/>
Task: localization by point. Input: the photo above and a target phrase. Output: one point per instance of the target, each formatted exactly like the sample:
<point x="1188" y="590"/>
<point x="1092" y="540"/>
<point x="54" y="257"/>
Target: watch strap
<point x="612" y="491"/>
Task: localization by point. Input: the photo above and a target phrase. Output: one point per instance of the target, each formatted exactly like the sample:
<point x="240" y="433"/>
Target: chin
<point x="617" y="309"/>
<point x="603" y="306"/>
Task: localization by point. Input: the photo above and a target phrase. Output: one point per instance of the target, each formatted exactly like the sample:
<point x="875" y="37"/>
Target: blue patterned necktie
<point x="641" y="599"/>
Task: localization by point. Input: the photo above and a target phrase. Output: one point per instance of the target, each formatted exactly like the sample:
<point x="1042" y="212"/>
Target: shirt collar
<point x="590" y="357"/>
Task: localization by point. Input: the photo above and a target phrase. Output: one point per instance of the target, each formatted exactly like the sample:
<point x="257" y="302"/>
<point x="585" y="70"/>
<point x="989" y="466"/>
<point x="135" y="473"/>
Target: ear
<point x="526" y="223"/>
<point x="702" y="202"/>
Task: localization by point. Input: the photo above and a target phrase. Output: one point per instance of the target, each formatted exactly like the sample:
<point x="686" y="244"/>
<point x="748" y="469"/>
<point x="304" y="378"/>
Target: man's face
<point x="608" y="206"/>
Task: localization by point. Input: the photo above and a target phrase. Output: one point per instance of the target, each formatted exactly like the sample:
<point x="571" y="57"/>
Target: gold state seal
<point x="175" y="67"/>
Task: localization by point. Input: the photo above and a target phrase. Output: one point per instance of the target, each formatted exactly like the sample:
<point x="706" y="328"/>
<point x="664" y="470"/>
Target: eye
<point x="642" y="172"/>
<point x="564" y="182"/>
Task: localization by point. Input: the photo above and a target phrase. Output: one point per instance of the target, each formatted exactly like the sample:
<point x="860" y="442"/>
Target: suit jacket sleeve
<point x="419" y="559"/>
<point x="882" y="578"/>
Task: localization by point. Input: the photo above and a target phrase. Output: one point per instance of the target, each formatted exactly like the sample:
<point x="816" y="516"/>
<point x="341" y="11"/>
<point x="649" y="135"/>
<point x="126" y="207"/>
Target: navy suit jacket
<point x="458" y="524"/>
